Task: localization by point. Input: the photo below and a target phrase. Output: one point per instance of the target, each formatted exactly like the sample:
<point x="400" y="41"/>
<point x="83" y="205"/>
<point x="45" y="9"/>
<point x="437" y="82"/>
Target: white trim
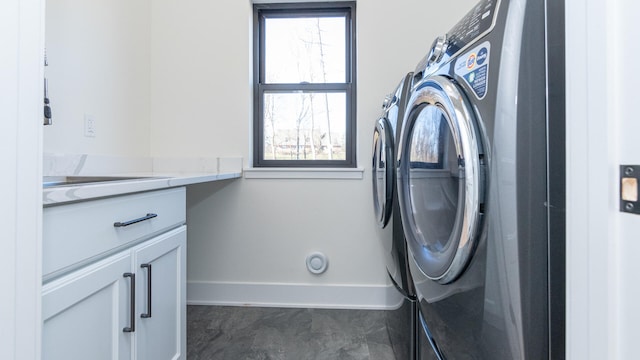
<point x="304" y="173"/>
<point x="292" y="1"/>
<point x="21" y="71"/>
<point x="319" y="296"/>
<point x="591" y="294"/>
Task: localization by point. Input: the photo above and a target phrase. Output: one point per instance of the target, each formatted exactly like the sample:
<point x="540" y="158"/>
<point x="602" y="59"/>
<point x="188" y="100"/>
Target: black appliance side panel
<point x="402" y="329"/>
<point x="556" y="141"/>
<point x="532" y="183"/>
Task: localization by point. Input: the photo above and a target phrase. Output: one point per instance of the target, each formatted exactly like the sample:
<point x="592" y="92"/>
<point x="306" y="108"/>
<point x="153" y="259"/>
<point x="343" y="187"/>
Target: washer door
<point x="383" y="171"/>
<point x="440" y="179"/>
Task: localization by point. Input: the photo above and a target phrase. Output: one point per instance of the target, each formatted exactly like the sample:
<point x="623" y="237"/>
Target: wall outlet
<point x="89" y="126"/>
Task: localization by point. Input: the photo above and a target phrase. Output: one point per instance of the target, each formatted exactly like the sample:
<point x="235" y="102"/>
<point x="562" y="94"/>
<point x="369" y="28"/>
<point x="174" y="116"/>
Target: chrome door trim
<point x="383" y="136"/>
<point x="441" y="92"/>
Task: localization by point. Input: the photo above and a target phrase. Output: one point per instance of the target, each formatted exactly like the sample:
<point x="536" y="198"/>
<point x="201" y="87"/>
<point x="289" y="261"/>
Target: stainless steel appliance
<point x="480" y="186"/>
<point x="401" y="322"/>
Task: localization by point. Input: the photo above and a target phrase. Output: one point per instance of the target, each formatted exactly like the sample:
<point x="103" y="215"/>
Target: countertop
<point x="143" y="182"/>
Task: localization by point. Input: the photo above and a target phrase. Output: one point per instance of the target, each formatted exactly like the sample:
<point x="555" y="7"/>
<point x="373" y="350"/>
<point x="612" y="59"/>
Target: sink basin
<point x="51" y="181"/>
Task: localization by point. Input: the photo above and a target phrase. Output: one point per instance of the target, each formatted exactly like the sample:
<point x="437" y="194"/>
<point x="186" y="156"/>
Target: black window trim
<point x="346" y="9"/>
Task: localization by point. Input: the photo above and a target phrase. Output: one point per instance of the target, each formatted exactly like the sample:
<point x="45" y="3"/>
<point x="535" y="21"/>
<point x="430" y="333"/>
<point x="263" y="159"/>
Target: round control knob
<point x="438" y="48"/>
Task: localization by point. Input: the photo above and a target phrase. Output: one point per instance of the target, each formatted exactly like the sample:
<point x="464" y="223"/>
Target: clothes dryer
<point x="475" y="169"/>
<point x="401" y="322"/>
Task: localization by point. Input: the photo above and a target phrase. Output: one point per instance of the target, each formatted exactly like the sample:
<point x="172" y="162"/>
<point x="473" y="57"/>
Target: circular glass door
<point x="440" y="179"/>
<point x="383" y="169"/>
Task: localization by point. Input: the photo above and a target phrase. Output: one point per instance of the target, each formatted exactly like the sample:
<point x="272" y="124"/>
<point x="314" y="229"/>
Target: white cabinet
<point x="79" y="233"/>
<point x="125" y="297"/>
<point x="161" y="297"/>
<point x="84" y="313"/>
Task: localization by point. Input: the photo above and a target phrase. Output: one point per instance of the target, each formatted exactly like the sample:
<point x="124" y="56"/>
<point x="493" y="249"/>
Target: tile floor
<point x="251" y="333"/>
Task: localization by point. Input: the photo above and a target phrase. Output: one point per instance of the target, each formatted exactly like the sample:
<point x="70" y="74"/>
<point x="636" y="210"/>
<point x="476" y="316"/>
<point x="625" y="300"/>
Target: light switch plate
<point x="89" y="126"/>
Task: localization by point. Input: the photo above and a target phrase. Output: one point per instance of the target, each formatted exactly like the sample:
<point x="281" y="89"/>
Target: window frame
<point x="292" y="10"/>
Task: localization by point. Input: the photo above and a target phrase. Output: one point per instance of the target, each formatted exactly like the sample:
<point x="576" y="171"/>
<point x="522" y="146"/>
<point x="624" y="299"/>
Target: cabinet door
<point x="85" y="312"/>
<point x="161" y="306"/>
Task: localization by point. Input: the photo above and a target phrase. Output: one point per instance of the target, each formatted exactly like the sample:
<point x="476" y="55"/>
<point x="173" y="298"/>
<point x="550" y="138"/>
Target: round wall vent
<point x="317" y="263"/>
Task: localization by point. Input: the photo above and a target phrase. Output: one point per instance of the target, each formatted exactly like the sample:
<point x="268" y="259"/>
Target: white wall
<point x="258" y="231"/>
<point x="200" y="78"/>
<point x="99" y="56"/>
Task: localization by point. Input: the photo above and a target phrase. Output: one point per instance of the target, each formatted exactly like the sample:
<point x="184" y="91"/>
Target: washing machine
<point x="478" y="179"/>
<point x="401" y="322"/>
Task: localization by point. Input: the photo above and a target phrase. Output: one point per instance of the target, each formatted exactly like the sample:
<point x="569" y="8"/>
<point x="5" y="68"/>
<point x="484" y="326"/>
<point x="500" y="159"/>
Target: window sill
<point x="304" y="173"/>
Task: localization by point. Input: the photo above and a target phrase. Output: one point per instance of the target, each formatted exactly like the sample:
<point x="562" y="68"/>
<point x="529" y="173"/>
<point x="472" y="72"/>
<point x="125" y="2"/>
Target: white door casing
<point x="602" y="128"/>
<point x="21" y="90"/>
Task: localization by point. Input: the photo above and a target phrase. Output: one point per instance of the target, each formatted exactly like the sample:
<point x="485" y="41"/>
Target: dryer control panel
<point x="477" y="23"/>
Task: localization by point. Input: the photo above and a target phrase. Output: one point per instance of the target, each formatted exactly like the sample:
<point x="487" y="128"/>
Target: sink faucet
<point x="47" y="108"/>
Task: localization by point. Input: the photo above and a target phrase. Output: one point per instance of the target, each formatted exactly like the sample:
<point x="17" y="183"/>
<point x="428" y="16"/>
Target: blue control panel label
<point x="473" y="67"/>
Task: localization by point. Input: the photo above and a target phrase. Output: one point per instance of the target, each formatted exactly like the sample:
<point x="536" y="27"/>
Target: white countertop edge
<point x="147" y="181"/>
<point x="304" y="173"/>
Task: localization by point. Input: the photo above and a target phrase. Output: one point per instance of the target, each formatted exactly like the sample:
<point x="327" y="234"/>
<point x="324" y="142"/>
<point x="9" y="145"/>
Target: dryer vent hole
<point x="317" y="263"/>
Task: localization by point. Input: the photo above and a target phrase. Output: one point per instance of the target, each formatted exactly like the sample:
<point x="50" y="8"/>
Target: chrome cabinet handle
<point x="132" y="328"/>
<point x="148" y="313"/>
<point x="134" y="221"/>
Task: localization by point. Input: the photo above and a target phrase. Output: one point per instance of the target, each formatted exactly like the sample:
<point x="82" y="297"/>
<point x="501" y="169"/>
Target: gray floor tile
<point x="251" y="333"/>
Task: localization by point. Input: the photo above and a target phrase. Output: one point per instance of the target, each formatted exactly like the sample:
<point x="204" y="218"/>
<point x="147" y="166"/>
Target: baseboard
<point x="293" y="295"/>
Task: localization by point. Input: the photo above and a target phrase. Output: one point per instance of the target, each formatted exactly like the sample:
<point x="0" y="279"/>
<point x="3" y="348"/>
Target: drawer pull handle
<point x="132" y="328"/>
<point x="148" y="313"/>
<point x="134" y="221"/>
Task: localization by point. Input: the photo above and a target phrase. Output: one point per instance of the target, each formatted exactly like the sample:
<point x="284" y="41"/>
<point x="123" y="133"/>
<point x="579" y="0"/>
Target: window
<point x="304" y="85"/>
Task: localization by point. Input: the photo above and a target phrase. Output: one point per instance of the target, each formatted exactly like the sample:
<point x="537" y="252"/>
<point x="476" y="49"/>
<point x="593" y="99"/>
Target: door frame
<point x="21" y="86"/>
<point x="595" y="294"/>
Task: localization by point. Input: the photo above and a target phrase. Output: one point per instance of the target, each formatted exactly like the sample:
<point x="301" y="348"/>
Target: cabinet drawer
<point x="75" y="234"/>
